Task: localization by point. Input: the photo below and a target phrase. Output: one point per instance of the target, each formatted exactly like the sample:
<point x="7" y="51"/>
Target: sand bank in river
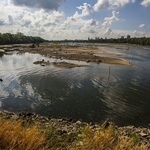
<point x="79" y="53"/>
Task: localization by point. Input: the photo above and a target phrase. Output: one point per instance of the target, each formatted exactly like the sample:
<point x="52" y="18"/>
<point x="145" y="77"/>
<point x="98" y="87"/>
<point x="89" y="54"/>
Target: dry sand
<point x="79" y="53"/>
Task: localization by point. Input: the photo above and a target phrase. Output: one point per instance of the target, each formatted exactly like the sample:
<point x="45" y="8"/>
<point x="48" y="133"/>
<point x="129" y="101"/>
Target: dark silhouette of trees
<point x="135" y="40"/>
<point x="18" y="38"/>
<point x="140" y="41"/>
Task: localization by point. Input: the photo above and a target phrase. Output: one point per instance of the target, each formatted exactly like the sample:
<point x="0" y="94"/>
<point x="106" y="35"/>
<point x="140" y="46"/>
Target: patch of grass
<point x="17" y="135"/>
<point x="14" y="136"/>
<point x="106" y="139"/>
<point x="58" y="139"/>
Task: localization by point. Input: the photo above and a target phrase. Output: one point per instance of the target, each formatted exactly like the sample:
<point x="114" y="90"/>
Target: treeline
<point x="140" y="41"/>
<point x="19" y="38"/>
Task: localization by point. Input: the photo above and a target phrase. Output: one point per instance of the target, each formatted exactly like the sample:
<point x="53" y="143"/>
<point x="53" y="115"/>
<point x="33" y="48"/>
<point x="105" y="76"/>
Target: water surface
<point x="91" y="94"/>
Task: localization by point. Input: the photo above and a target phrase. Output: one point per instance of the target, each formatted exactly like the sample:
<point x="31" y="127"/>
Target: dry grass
<point x="106" y="139"/>
<point x="14" y="136"/>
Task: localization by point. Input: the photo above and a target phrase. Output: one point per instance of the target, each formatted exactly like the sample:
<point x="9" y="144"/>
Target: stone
<point x="15" y="117"/>
<point x="143" y="134"/>
<point x="61" y="132"/>
<point x="78" y="122"/>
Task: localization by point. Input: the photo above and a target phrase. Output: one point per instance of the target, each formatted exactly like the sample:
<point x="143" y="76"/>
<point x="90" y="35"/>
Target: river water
<point x="93" y="94"/>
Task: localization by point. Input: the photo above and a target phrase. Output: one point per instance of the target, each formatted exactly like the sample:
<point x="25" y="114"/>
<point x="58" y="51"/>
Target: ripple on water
<point x="91" y="93"/>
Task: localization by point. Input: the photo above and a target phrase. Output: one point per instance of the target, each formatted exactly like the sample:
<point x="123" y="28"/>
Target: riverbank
<point x="38" y="132"/>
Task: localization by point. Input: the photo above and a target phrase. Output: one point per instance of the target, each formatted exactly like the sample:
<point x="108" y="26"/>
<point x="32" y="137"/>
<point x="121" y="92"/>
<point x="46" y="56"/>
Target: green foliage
<point x="18" y="38"/>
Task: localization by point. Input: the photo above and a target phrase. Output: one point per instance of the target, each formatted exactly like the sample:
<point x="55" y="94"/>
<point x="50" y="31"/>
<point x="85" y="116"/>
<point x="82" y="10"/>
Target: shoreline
<point x="66" y="126"/>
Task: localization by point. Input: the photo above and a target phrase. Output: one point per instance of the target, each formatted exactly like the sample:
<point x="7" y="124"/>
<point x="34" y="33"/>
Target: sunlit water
<point x="93" y="94"/>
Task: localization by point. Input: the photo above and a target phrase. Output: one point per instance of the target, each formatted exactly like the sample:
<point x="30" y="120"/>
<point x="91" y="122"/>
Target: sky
<point x="76" y="19"/>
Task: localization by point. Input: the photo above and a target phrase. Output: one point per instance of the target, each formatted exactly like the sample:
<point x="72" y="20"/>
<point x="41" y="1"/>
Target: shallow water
<point x="93" y="94"/>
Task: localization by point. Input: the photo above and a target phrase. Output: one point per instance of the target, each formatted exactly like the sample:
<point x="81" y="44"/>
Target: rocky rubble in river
<point x="63" y="125"/>
<point x="142" y="133"/>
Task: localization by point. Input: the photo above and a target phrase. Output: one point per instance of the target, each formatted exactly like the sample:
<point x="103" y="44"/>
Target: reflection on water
<point x="86" y="93"/>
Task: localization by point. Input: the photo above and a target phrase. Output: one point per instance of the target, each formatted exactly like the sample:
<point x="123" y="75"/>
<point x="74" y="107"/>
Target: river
<point x="93" y="94"/>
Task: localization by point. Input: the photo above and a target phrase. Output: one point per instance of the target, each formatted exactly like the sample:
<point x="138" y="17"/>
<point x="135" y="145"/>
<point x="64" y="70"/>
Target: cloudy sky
<point x="76" y="19"/>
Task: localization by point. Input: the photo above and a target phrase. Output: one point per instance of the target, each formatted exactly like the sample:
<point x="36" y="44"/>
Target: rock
<point x="61" y="132"/>
<point x="43" y="65"/>
<point x="60" y="120"/>
<point x="7" y="112"/>
<point x="144" y="134"/>
<point x="15" y="117"/>
<point x="29" y="114"/>
<point x="32" y="46"/>
<point x="98" y="61"/>
<point x="78" y="122"/>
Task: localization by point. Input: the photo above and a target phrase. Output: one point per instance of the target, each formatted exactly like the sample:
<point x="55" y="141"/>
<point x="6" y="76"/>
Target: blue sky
<point x="76" y="19"/>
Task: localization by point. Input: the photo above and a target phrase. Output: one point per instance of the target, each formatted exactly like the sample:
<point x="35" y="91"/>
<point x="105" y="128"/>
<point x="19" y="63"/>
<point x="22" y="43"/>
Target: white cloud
<point x="141" y="25"/>
<point x="92" y="22"/>
<point x="89" y="26"/>
<point x="30" y="22"/>
<point x="135" y="33"/>
<point x="108" y="31"/>
<point x="111" y="4"/>
<point x="139" y="34"/>
<point x="86" y="9"/>
<point x="77" y="19"/>
<point x="108" y="22"/>
<point x="146" y="3"/>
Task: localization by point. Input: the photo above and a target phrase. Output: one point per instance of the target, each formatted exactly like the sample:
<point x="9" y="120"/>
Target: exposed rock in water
<point x="63" y="64"/>
<point x="66" y="65"/>
<point x="42" y="63"/>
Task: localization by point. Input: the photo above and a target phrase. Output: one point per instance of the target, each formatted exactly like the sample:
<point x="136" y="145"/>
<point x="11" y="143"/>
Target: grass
<point x="106" y="139"/>
<point x="14" y="136"/>
<point x="17" y="135"/>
